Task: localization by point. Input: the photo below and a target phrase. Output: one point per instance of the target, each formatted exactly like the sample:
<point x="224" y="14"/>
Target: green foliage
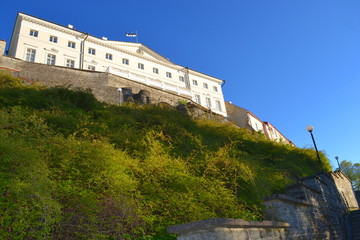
<point x="74" y="168"/>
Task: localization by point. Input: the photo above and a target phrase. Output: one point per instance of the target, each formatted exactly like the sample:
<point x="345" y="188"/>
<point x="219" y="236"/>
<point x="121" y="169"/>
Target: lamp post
<point x="337" y="159"/>
<point x="310" y="129"/>
<point x="121" y="96"/>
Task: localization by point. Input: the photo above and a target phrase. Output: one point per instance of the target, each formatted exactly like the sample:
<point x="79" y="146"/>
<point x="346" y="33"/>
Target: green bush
<point x="74" y="168"/>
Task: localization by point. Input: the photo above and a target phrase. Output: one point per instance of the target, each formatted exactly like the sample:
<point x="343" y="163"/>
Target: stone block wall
<point x="315" y="207"/>
<point x="230" y="229"/>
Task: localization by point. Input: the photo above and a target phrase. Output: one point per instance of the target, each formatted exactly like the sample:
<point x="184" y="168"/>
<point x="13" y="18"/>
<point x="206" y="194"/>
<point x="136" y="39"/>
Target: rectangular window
<point x="109" y="56"/>
<point x="168" y="74"/>
<point x="92" y="51"/>
<point x="181" y="79"/>
<point x="215" y="88"/>
<point x="51" y="58"/>
<point x="71" y="44"/>
<point x="53" y="39"/>
<point x="70" y="63"/>
<point x="92" y="68"/>
<point x="195" y="82"/>
<point x="155" y="70"/>
<point x="197" y="99"/>
<point x="208" y="103"/>
<point x="218" y="105"/>
<point x="125" y="61"/>
<point x="30" y="55"/>
<point x="141" y="66"/>
<point x="205" y="85"/>
<point x="34" y="33"/>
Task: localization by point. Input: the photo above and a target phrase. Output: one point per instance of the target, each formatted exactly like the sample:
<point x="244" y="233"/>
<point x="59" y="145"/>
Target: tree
<point x="352" y="171"/>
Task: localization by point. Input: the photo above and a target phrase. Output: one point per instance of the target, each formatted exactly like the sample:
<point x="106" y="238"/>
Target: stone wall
<point x="104" y="86"/>
<point x="230" y="229"/>
<point x="357" y="193"/>
<point x="315" y="207"/>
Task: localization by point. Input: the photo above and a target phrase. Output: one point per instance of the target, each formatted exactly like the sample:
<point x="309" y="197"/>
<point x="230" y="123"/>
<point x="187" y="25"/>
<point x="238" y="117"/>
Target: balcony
<point x="152" y="82"/>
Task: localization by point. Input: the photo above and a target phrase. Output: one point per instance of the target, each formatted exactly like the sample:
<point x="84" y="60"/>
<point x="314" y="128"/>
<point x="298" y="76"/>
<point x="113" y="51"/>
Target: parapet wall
<point x="230" y="229"/>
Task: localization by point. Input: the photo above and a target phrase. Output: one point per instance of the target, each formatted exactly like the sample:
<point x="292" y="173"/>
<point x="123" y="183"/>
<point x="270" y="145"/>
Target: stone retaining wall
<point x="103" y="85"/>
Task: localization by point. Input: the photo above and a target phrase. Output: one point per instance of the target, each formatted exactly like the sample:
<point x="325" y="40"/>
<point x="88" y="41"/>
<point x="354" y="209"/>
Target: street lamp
<point x="337" y="159"/>
<point x="310" y="129"/>
<point x="121" y="96"/>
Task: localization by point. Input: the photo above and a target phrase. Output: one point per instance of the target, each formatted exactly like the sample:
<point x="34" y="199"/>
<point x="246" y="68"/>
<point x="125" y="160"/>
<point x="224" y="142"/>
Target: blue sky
<point x="292" y="63"/>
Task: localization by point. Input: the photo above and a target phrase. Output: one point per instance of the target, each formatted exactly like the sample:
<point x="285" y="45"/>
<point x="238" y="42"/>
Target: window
<point x="53" y="39"/>
<point x="205" y="85"/>
<point x="155" y="70"/>
<point x="141" y="66"/>
<point x="50" y="59"/>
<point x="195" y="82"/>
<point x="108" y="56"/>
<point x="71" y="44"/>
<point x="197" y="99"/>
<point x="92" y="68"/>
<point x="215" y="88"/>
<point x="208" y="103"/>
<point x="34" y="33"/>
<point x="125" y="61"/>
<point x="70" y="63"/>
<point x="30" y="55"/>
<point x="92" y="51"/>
<point x="181" y="79"/>
<point x="218" y="105"/>
<point x="168" y="74"/>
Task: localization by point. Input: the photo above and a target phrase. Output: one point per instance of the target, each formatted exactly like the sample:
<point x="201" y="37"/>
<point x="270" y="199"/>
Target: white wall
<point x="255" y="123"/>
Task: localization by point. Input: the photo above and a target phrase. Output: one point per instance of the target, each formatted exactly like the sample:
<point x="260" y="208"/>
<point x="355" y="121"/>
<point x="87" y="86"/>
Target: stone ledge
<point x="287" y="198"/>
<point x="224" y="222"/>
<point x="302" y="184"/>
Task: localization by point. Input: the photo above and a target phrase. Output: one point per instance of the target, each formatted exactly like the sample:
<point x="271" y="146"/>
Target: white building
<point x="275" y="135"/>
<point x="41" y="41"/>
<point x="246" y="119"/>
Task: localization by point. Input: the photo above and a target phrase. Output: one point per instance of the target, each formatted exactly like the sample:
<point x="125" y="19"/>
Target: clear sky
<point x="292" y="63"/>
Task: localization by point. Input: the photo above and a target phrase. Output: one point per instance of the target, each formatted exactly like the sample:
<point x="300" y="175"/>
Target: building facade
<point x="41" y="41"/>
<point x="246" y="119"/>
<point x="273" y="134"/>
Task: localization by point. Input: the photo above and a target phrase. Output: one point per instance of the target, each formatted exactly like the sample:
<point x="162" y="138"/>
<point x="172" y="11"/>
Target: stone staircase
<point x="355" y="223"/>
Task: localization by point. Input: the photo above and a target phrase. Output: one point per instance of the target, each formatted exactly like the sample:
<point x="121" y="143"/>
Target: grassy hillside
<point x="74" y="168"/>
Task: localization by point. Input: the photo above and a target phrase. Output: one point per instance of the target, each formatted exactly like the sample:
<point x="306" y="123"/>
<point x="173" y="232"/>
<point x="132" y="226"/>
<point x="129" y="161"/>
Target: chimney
<point x="2" y="47"/>
<point x="104" y="38"/>
<point x="70" y="26"/>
